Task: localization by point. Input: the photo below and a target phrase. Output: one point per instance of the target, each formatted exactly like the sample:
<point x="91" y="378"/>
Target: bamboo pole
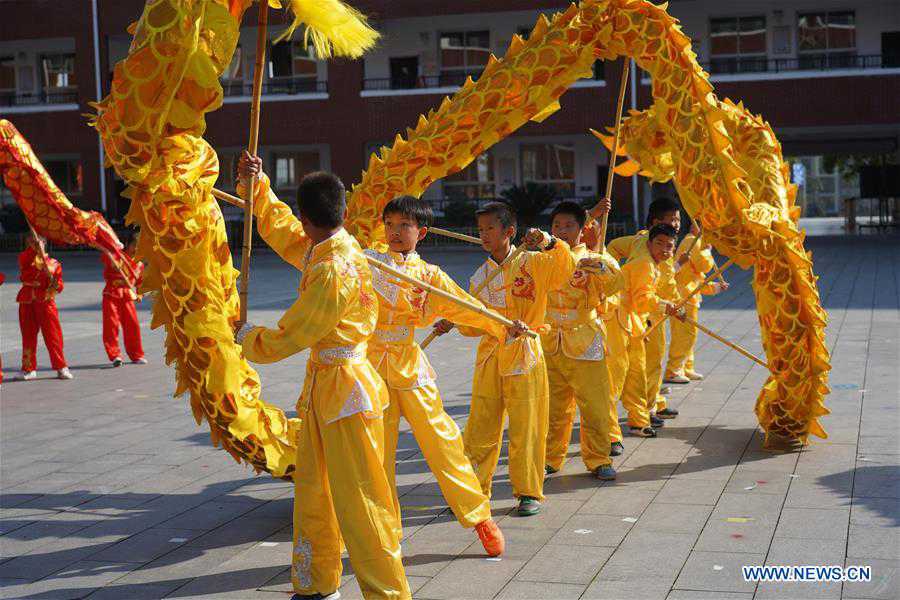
<point x="611" y="173"/>
<point x="684" y="300"/>
<point x="491" y="276"/>
<point x="446" y="295"/>
<point x="229" y="198"/>
<point x="455" y="235"/>
<point x="252" y="147"/>
<point x="731" y="345"/>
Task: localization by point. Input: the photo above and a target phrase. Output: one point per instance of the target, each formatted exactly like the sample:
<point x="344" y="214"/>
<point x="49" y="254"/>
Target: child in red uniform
<point x="119" y="297"/>
<point x="37" y="309"/>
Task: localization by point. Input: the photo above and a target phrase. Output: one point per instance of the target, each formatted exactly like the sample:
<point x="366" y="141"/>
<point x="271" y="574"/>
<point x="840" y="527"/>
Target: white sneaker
<point x="28" y="376"/>
<point x="140" y="361"/>
<point x="694" y="376"/>
<point x="117" y="361"/>
<point x="677" y="378"/>
<point x="64" y="373"/>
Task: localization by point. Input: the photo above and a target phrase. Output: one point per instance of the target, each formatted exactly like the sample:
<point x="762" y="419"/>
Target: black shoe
<point x="605" y="473"/>
<point x="550" y="470"/>
<point x="117" y="362"/>
<point x="645" y="432"/>
<point x="332" y="596"/>
<point x="616" y="449"/>
<point x="667" y="413"/>
<point x="665" y="390"/>
<point x="656" y="422"/>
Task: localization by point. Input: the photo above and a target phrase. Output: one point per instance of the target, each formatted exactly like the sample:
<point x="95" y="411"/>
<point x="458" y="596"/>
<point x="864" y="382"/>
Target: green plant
<point x="529" y="201"/>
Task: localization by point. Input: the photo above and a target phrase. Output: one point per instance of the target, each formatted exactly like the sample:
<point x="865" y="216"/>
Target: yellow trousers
<point x="525" y="399"/>
<point x="684" y="336"/>
<point x="441" y="444"/>
<point x="616" y="366"/>
<point x="656" y="354"/>
<point x="341" y="492"/>
<point x="628" y="375"/>
<point x="586" y="384"/>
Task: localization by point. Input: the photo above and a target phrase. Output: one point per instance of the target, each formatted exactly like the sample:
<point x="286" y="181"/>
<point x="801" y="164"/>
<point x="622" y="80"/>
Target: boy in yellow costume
<point x="661" y="211"/>
<point x="408" y="374"/>
<point x="575" y="351"/>
<point x="511" y="376"/>
<point x="638" y="285"/>
<point x="693" y="261"/>
<point x="341" y="491"/>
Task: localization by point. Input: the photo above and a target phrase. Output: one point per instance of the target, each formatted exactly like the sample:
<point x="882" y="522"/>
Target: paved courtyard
<point x="110" y="490"/>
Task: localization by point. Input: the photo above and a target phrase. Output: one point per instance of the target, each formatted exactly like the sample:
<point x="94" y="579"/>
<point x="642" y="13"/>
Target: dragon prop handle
<point x="726" y="163"/>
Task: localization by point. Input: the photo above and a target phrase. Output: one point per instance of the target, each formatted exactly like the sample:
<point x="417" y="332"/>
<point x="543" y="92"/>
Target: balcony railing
<point x="417" y="82"/>
<point x="50" y="96"/>
<point x="812" y="62"/>
<point x="287" y="85"/>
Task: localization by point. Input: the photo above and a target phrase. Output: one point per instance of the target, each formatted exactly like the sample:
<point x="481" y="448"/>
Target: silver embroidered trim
<point x="301" y="563"/>
<point x="358" y="401"/>
<point x="332" y="355"/>
<point x="380" y="281"/>
<point x="561" y="314"/>
<point x="242" y="333"/>
<point x="595" y="350"/>
<point x="494" y="295"/>
<point x="398" y="334"/>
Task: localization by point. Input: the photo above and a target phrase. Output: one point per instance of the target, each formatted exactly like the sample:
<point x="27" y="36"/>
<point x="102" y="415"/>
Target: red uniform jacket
<point x="35" y="281"/>
<point x="116" y="286"/>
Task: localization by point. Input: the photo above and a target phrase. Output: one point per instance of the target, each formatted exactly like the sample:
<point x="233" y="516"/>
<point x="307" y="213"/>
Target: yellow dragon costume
<point x="726" y="163"/>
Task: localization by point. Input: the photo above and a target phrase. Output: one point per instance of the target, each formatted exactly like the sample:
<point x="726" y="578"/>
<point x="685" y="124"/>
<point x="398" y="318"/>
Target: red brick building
<point x="826" y="74"/>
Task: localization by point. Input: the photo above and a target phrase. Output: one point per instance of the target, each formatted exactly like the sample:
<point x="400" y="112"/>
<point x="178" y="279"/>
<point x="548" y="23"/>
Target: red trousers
<point x="116" y="312"/>
<point x="43" y="317"/>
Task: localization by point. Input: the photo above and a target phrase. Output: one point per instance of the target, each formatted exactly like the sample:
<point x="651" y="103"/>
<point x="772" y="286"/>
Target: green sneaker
<point x="528" y="506"/>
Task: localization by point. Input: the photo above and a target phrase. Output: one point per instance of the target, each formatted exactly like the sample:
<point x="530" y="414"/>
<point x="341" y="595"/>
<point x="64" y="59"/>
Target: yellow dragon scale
<point x="726" y="163"/>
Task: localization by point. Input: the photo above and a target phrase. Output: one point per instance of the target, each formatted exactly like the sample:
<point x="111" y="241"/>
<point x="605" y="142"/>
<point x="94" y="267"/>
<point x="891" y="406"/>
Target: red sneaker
<point x="491" y="537"/>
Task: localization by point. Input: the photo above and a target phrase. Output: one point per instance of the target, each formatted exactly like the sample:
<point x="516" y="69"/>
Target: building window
<point x="291" y="166"/>
<point x="463" y="54"/>
<point x="473" y="182"/>
<point x="550" y="164"/>
<point x="826" y="40"/>
<point x="7" y="80"/>
<point x="59" y="76"/>
<point x="66" y="174"/>
<point x="737" y="44"/>
<point x="233" y="77"/>
<point x="821" y="188"/>
<point x="293" y="68"/>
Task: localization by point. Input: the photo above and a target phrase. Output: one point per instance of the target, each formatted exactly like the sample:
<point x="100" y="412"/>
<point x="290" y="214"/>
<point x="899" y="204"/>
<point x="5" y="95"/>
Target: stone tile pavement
<point x="110" y="490"/>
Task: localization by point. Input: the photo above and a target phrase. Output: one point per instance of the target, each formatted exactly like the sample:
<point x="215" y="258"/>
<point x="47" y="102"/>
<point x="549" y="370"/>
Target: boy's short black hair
<point x="567" y="207"/>
<point x="321" y="199"/>
<point x="660" y="207"/>
<point x="503" y="211"/>
<point x="412" y="208"/>
<point x="662" y="229"/>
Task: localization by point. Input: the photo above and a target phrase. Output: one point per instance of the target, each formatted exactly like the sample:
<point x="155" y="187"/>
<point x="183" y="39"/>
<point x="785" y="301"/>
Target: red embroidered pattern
<point x="523" y="284"/>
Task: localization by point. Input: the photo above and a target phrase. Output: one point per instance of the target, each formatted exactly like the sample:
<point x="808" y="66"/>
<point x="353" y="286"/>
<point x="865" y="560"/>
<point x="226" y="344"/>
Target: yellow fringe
<point x="334" y="28"/>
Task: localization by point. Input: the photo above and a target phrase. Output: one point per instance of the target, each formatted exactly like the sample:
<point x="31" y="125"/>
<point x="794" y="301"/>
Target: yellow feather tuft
<point x="334" y="28"/>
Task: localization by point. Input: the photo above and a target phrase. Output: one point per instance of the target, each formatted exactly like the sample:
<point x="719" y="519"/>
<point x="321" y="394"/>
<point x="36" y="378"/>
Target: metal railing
<point x="286" y="85"/>
<point x="50" y="96"/>
<point x="809" y="62"/>
<point x="454" y="79"/>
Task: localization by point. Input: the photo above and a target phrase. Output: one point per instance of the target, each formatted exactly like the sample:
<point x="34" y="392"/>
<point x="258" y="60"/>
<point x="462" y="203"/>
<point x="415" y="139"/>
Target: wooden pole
<point x="611" y="173"/>
<point x="481" y="286"/>
<point x="455" y="235"/>
<point x="252" y="146"/>
<point x="731" y="345"/>
<point x="684" y="300"/>
<point x="229" y="198"/>
<point x="446" y="295"/>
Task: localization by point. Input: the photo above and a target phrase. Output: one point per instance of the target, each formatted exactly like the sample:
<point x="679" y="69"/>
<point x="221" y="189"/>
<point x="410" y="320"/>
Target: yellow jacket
<point x="637" y="283"/>
<point x="692" y="273"/>
<point x="630" y="247"/>
<point x="334" y="315"/>
<point x="520" y="291"/>
<point x="402" y="308"/>
<point x="574" y="311"/>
